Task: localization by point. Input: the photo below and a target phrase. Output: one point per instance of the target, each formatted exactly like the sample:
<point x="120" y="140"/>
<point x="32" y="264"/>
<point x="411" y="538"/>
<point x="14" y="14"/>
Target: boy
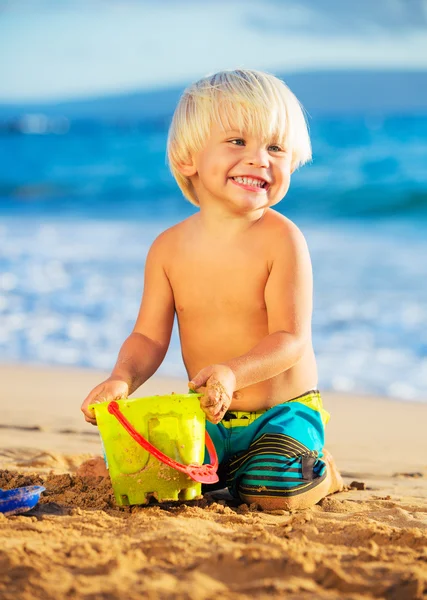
<point x="237" y="274"/>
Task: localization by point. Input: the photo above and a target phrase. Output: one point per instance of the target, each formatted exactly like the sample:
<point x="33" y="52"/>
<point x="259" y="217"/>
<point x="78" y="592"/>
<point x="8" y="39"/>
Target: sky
<point x="58" y="50"/>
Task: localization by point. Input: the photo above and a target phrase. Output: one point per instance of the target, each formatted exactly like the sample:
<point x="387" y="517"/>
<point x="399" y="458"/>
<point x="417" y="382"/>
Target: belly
<point x="207" y="341"/>
<point x="294" y="382"/>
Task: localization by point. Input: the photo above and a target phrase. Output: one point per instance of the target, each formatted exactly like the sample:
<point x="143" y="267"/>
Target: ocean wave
<point x="70" y="291"/>
<point x="362" y="167"/>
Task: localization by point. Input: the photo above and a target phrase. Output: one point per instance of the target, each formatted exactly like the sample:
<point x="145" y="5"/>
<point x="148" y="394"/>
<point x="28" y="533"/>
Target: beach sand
<point x="361" y="543"/>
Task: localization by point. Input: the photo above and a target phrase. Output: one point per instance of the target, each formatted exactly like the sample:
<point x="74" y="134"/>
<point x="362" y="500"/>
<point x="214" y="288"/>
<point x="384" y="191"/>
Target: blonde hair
<point x="252" y="101"/>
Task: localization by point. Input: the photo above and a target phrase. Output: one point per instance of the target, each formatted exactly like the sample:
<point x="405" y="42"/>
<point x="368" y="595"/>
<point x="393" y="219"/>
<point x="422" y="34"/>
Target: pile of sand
<point x="78" y="544"/>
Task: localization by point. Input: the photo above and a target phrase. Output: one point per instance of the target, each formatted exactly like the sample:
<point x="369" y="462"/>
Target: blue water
<point x="80" y="207"/>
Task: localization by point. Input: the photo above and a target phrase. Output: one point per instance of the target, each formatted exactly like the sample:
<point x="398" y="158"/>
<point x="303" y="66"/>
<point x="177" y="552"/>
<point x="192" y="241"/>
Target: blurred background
<point x="87" y="89"/>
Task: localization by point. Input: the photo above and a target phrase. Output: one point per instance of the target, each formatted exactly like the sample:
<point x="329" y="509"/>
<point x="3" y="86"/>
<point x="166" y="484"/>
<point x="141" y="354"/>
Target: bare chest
<point x="231" y="283"/>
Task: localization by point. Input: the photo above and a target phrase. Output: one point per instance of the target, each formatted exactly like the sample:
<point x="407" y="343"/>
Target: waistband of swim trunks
<point x="247" y="417"/>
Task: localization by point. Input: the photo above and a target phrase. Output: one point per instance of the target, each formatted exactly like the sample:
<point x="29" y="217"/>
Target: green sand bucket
<point x="155" y="447"/>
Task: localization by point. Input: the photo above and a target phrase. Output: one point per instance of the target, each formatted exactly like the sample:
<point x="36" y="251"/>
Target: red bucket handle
<point x="200" y="473"/>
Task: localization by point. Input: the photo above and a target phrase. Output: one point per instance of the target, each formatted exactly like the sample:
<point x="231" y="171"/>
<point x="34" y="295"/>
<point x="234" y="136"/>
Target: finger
<point x="213" y="419"/>
<point x="213" y="394"/>
<point x="208" y="413"/>
<point x="90" y="420"/>
<point x="216" y="389"/>
<point x="216" y="413"/>
<point x="220" y="407"/>
<point x="220" y="413"/>
<point x="92" y="398"/>
<point x="87" y="410"/>
<point x="200" y="379"/>
<point x="209" y="401"/>
<point x="89" y="413"/>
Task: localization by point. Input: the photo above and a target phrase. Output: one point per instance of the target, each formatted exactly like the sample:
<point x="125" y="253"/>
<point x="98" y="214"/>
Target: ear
<point x="188" y="169"/>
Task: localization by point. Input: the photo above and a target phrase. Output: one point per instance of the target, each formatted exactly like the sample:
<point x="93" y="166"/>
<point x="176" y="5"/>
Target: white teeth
<point x="249" y="181"/>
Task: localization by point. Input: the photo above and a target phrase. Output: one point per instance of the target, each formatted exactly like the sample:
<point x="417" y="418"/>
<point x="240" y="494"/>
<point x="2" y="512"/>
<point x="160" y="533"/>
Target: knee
<point x="295" y="484"/>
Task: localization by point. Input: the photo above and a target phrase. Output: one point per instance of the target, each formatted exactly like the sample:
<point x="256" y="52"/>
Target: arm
<point x="289" y="301"/>
<point x="143" y="351"/>
<point x="288" y="297"/>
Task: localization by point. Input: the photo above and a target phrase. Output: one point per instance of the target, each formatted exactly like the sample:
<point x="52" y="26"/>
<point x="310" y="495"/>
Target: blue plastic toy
<point x="19" y="500"/>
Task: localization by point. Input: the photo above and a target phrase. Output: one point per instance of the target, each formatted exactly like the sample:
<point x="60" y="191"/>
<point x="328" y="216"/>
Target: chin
<point x="251" y="204"/>
<point x="249" y="207"/>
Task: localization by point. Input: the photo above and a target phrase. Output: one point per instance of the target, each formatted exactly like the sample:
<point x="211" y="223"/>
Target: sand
<point x="361" y="543"/>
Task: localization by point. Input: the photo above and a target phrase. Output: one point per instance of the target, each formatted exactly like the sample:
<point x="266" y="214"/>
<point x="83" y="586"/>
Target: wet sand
<point x="360" y="543"/>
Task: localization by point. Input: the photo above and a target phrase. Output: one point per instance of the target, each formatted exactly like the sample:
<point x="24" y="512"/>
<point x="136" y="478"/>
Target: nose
<point x="257" y="157"/>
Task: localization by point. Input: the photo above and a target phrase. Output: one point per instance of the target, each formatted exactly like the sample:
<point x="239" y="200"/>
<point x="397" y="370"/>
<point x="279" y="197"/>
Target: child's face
<point x="244" y="172"/>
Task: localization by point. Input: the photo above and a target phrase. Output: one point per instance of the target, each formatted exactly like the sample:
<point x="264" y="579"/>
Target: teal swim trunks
<point x="273" y="452"/>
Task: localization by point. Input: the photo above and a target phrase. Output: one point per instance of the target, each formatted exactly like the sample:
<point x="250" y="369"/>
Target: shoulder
<point x="170" y="239"/>
<point x="282" y="235"/>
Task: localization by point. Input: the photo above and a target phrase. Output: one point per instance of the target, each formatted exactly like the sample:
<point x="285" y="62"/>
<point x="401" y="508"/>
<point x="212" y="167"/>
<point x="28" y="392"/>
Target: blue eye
<point x="238" y="142"/>
<point x="275" y="148"/>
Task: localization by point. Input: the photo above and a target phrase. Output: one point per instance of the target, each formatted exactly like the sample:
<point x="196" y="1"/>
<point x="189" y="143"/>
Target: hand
<point x="110" y="389"/>
<point x="218" y="383"/>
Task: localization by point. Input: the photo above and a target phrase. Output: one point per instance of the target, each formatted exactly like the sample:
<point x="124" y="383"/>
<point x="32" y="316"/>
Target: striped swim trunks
<point x="273" y="452"/>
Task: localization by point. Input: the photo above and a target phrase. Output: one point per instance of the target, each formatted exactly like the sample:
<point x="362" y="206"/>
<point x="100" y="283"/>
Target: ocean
<point x="81" y="202"/>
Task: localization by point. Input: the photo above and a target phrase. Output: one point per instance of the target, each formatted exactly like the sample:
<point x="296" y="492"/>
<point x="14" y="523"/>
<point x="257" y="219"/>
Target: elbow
<point x="294" y="345"/>
<point x="154" y="346"/>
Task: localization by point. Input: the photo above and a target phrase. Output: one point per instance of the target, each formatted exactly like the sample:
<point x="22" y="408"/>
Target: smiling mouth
<point x="251" y="183"/>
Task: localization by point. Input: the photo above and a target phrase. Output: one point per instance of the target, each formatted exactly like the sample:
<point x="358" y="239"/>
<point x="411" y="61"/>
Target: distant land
<point x="321" y="92"/>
